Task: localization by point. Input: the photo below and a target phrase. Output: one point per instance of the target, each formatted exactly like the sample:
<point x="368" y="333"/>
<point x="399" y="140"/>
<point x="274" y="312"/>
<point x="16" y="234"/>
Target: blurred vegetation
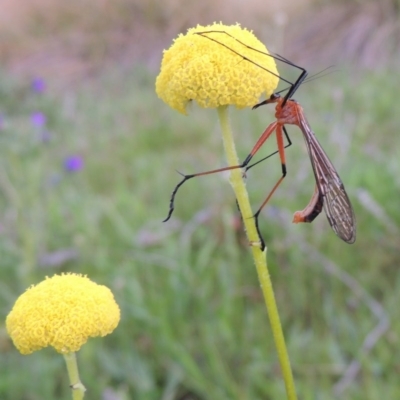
<point x="193" y="323"/>
<point x="75" y="39"/>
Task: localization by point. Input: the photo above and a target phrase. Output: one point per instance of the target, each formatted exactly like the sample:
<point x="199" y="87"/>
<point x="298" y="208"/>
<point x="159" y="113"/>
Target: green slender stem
<point x="260" y="257"/>
<point x="78" y="390"/>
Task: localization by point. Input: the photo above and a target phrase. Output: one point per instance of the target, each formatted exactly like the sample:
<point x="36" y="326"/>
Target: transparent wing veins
<point x="337" y="206"/>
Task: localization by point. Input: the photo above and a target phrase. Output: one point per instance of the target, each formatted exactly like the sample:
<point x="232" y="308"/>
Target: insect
<point x="329" y="194"/>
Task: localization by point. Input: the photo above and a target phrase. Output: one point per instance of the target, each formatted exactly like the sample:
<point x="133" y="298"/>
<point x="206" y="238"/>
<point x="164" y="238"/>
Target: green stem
<point x="260" y="257"/>
<point x="78" y="390"/>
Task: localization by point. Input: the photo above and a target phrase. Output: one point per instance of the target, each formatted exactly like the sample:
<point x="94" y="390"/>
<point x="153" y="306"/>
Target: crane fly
<point x="329" y="193"/>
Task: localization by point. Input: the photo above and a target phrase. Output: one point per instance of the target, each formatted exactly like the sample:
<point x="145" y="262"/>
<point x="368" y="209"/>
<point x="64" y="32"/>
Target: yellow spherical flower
<point x="216" y="69"/>
<point x="62" y="311"/>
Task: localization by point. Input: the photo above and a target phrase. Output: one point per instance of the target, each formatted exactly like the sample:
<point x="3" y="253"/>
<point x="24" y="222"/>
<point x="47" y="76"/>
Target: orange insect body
<point x="312" y="210"/>
<point x="330" y="192"/>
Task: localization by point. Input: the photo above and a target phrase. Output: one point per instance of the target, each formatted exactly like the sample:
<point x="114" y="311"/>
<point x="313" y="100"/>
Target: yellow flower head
<point x="216" y="72"/>
<point x="62" y="311"/>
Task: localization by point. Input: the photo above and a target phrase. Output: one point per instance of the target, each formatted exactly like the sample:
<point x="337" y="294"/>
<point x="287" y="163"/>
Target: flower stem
<point x="260" y="257"/>
<point x="78" y="390"/>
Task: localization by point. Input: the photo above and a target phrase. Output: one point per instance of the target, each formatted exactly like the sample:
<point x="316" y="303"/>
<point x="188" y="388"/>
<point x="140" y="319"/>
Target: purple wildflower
<point x="38" y="119"/>
<point x="38" y="85"/>
<point x="73" y="163"/>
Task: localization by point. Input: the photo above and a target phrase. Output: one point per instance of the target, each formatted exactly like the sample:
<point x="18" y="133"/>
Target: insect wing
<point x="337" y="205"/>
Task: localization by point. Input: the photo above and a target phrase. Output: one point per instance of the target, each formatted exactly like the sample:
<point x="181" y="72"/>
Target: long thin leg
<point x="272" y="154"/>
<point x="281" y="150"/>
<point x="266" y="134"/>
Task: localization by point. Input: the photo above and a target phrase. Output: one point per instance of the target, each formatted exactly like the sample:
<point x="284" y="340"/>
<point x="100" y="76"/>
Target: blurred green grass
<point x="193" y="321"/>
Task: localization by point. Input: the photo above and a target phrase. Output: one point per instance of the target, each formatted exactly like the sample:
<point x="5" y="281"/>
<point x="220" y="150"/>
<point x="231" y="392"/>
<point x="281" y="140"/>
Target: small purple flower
<point x="73" y="163"/>
<point x="38" y="119"/>
<point x="38" y="85"/>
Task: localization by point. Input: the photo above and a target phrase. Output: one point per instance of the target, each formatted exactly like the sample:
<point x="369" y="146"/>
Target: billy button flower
<point x="211" y="65"/>
<point x="63" y="312"/>
<point x="197" y="68"/>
